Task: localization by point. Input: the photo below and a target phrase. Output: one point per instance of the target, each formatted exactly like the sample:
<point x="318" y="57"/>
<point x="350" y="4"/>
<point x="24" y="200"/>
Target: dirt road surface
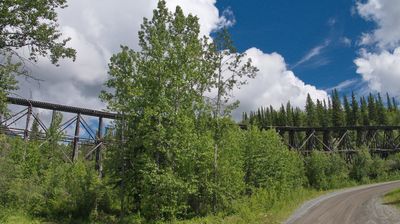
<point x="355" y="205"/>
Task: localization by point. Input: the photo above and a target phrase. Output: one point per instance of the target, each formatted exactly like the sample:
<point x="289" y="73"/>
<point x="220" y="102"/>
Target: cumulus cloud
<point x="380" y="67"/>
<point x="274" y="84"/>
<point x="99" y="27"/>
<point x="381" y="70"/>
<point x="386" y="14"/>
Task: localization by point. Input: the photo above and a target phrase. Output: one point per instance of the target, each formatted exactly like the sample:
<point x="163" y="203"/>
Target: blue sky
<point x="300" y="47"/>
<point x="297" y="29"/>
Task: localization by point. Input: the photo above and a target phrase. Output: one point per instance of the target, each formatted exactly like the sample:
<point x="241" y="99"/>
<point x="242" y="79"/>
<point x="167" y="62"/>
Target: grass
<point x="14" y="216"/>
<point x="393" y="198"/>
<point x="259" y="209"/>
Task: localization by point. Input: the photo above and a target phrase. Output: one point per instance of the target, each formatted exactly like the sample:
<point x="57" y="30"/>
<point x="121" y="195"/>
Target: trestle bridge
<point x="92" y="138"/>
<point x="385" y="139"/>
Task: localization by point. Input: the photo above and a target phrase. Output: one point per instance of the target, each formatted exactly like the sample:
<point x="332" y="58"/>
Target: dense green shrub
<point x="71" y="190"/>
<point x="393" y="162"/>
<point x="326" y="171"/>
<point x="361" y="165"/>
<point x="269" y="164"/>
<point x="365" y="167"/>
<point x="230" y="174"/>
<point x="40" y="186"/>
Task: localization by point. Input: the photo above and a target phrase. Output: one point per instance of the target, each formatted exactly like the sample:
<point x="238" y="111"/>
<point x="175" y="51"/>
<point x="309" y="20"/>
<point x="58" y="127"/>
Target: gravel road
<point x="354" y="205"/>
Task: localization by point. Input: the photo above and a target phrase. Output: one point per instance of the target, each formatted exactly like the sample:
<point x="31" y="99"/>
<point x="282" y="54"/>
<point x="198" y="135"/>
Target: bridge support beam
<point x="292" y="140"/>
<point x="28" y="119"/>
<point x="326" y="139"/>
<point x="99" y="142"/>
<point x="310" y="141"/>
<point x="76" y="138"/>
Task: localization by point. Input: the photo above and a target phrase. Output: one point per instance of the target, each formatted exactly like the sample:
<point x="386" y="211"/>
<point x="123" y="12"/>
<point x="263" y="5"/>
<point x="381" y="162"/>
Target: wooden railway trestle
<point x="330" y="139"/>
<point x="341" y="139"/>
<point x="94" y="138"/>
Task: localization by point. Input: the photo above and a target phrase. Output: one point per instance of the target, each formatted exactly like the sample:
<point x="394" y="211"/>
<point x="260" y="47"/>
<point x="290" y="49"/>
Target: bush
<point x="361" y="165"/>
<point x="229" y="184"/>
<point x="393" y="162"/>
<point x="72" y="191"/>
<point x="269" y="164"/>
<point x="326" y="171"/>
<point x="41" y="186"/>
<point x="379" y="169"/>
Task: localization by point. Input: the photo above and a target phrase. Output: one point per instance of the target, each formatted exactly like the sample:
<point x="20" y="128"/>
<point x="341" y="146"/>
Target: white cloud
<point x="99" y="27"/>
<point x="380" y="68"/>
<point x="343" y="85"/>
<point x="227" y="19"/>
<point x="346" y="41"/>
<point x="274" y="84"/>
<point x="386" y="14"/>
<point x="313" y="53"/>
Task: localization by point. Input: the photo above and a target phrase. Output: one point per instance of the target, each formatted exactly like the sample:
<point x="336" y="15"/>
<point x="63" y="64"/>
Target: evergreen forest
<point x="336" y="111"/>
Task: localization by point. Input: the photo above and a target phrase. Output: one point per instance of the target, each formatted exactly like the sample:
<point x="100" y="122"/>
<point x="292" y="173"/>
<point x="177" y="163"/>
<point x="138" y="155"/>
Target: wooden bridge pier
<point x="94" y="138"/>
<point x="378" y="139"/>
<point x="347" y="139"/>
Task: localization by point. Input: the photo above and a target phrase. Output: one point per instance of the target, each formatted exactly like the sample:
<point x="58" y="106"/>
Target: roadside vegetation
<point x="178" y="155"/>
<point x="392" y="198"/>
<point x="262" y="182"/>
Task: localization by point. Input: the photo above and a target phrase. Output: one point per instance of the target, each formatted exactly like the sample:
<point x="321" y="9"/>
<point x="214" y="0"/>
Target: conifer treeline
<point x="365" y="110"/>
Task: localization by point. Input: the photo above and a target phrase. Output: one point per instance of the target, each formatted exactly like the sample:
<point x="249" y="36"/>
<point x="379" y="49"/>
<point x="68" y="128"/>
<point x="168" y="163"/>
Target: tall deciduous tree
<point x="232" y="71"/>
<point x="168" y="156"/>
<point x="31" y="25"/>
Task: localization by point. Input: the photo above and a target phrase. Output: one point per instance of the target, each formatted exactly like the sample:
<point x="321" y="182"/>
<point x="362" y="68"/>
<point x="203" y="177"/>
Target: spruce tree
<point x="282" y="116"/>
<point x="297" y="121"/>
<point x="337" y="111"/>
<point x="372" y="115"/>
<point x="321" y="114"/>
<point x="311" y="118"/>
<point x="394" y="104"/>
<point x="364" y="112"/>
<point x="289" y="114"/>
<point x="355" y="111"/>
<point x="381" y="111"/>
<point x="389" y="102"/>
<point x="347" y="111"/>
